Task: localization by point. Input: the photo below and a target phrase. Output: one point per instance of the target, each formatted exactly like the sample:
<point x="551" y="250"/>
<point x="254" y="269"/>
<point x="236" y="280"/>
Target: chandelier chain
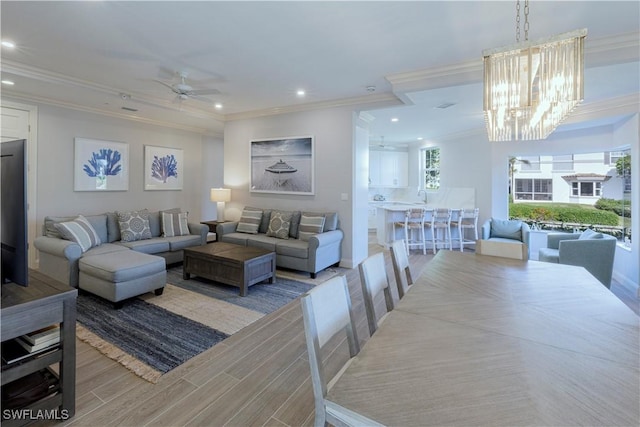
<point x="526" y="20"/>
<point x="518" y="21"/>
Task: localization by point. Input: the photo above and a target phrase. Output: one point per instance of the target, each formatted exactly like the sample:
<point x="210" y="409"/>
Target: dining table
<point x="487" y="341"/>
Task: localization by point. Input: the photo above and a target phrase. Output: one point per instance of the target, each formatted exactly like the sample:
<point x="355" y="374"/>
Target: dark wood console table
<point x="43" y="303"/>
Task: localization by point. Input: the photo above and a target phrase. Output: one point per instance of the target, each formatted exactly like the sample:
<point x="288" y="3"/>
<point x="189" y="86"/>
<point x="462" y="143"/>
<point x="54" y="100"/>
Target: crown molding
<point x="615" y="49"/>
<point x="117" y="115"/>
<point x="51" y="77"/>
<point x="622" y="105"/>
<point x="380" y="100"/>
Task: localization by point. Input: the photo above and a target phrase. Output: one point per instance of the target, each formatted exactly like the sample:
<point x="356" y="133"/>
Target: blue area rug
<point x="151" y="340"/>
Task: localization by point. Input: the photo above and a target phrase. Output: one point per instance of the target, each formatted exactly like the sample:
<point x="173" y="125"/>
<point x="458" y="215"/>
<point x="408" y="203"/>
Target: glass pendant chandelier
<point x="530" y="87"/>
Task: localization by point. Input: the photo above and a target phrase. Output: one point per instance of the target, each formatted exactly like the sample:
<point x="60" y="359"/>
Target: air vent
<point x="445" y="105"/>
<point x="130" y="109"/>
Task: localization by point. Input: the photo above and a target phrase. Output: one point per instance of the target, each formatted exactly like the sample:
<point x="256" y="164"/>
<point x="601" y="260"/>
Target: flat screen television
<point x="13" y="209"/>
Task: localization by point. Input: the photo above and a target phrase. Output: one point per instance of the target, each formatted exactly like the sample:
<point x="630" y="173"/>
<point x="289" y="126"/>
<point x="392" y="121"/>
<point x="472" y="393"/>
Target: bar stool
<point x="467" y="219"/>
<point x="413" y="223"/>
<point x="441" y="220"/>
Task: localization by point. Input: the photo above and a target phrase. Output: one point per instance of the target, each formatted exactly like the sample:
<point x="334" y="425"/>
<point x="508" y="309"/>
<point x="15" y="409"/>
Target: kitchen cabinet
<point x="388" y="169"/>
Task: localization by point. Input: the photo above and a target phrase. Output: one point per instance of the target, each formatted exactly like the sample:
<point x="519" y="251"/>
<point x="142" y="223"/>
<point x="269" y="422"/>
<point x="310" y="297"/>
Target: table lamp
<point x="220" y="196"/>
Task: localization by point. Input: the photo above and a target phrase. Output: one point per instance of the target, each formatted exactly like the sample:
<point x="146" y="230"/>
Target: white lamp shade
<point x="220" y="195"/>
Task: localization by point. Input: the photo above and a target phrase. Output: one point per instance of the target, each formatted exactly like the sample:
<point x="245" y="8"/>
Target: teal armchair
<point x="593" y="251"/>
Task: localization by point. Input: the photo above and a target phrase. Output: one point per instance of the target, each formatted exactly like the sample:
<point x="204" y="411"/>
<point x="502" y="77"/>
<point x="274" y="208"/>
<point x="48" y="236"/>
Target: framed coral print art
<point x="163" y="168"/>
<point x="100" y="165"/>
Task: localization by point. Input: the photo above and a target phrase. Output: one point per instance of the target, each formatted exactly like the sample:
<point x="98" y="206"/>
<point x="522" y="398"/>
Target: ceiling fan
<point x="184" y="91"/>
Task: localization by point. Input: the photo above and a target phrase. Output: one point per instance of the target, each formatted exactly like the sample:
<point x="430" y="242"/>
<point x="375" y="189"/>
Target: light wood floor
<point x="259" y="376"/>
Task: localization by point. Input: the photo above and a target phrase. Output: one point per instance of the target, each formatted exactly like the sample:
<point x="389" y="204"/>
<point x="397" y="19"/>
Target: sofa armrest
<point x="225" y="228"/>
<point x="525" y="230"/>
<point x="486" y="230"/>
<point x="58" y="247"/>
<point x="324" y="239"/>
<point x="199" y="230"/>
<point x="554" y="239"/>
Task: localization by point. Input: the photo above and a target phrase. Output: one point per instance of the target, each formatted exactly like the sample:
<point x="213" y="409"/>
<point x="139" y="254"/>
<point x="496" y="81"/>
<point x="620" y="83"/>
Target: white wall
<point x="57" y="128"/>
<point x="212" y="164"/>
<point x="333" y="132"/>
<point x="626" y="267"/>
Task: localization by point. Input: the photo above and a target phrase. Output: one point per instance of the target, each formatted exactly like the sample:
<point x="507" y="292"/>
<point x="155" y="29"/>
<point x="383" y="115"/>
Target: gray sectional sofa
<point x="301" y="248"/>
<point x="114" y="269"/>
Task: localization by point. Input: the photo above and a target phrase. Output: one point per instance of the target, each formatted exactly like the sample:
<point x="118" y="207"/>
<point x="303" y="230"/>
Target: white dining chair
<point x="374" y="281"/>
<point x="326" y="311"/>
<point x="401" y="268"/>
<point x="467" y="220"/>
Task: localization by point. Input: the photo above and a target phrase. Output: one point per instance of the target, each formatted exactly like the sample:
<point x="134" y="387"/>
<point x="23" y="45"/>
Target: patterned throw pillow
<point x="174" y="224"/>
<point x="249" y="221"/>
<point x="134" y="225"/>
<point x="80" y="231"/>
<point x="279" y="224"/>
<point x="310" y="226"/>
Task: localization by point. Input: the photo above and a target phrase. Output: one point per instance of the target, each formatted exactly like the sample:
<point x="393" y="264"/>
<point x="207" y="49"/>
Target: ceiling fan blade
<point x="166" y="84"/>
<point x="204" y="92"/>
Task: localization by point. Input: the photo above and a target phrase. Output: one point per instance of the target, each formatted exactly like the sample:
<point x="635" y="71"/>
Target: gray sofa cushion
<point x="148" y="246"/>
<point x="177" y="243"/>
<point x="506" y="229"/>
<point x="238" y="238"/>
<point x="330" y="219"/>
<point x="106" y="248"/>
<point x="263" y="241"/>
<point x="113" y="228"/>
<point x="98" y="222"/>
<point x="589" y="234"/>
<point x="293" y="248"/>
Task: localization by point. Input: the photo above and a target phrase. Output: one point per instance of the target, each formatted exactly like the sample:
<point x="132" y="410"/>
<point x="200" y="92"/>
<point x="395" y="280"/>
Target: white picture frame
<point x="100" y="165"/>
<point x="163" y="168"/>
<point x="283" y="165"/>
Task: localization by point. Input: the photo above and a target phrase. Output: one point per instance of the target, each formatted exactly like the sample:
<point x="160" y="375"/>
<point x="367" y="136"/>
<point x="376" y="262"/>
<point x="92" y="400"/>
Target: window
<point x="563" y="163"/>
<point x="534" y="189"/>
<point x="611" y="157"/>
<point x="430" y="165"/>
<point x="586" y="188"/>
<point x="529" y="163"/>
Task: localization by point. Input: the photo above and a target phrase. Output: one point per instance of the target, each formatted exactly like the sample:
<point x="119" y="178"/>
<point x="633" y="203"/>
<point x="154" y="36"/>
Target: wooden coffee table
<point x="234" y="265"/>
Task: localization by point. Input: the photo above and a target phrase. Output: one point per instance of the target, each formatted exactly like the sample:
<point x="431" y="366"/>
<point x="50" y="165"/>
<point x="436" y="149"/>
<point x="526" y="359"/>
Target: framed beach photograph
<point x="100" y="165"/>
<point x="283" y="165"/>
<point x="163" y="168"/>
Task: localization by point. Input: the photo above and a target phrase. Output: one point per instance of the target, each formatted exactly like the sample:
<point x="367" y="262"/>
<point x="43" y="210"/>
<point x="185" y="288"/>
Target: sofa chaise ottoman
<point x="122" y="275"/>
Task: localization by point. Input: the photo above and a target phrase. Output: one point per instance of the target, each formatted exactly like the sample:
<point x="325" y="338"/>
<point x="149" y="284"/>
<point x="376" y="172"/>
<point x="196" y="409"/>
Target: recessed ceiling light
<point x="394" y="119"/>
<point x="8" y="82"/>
<point x="300" y="92"/>
<point x="217" y="106"/>
<point x="420" y="138"/>
<point x="8" y="43"/>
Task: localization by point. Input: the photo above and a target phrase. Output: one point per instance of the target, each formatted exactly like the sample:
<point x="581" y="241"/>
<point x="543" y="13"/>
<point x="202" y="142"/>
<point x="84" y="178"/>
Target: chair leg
<point x="406" y="239"/>
<point x="461" y="237"/>
<point x="424" y="242"/>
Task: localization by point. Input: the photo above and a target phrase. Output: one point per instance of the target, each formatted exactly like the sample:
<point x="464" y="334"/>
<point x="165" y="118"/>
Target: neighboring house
<point x="573" y="178"/>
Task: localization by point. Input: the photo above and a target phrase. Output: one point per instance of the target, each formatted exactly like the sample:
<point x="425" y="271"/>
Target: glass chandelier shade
<point x="531" y="87"/>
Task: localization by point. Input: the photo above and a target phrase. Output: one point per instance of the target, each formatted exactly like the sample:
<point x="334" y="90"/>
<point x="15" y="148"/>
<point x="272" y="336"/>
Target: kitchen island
<point x="389" y="213"/>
